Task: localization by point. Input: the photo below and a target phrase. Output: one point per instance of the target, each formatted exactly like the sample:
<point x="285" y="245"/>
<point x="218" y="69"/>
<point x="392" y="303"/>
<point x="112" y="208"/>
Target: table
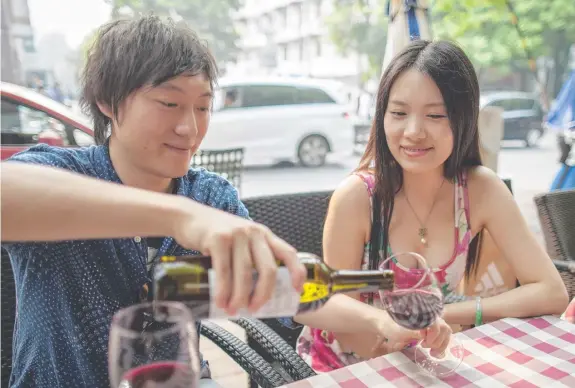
<point x="536" y="352"/>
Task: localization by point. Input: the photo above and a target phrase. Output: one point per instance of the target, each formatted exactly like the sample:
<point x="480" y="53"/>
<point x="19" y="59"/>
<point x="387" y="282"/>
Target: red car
<point x="29" y="118"/>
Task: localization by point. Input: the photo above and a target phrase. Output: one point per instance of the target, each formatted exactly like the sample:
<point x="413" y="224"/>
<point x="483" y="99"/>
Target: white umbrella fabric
<point x="408" y="20"/>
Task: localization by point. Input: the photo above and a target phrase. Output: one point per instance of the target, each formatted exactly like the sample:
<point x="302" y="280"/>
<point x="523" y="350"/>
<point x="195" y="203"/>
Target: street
<point x="530" y="169"/>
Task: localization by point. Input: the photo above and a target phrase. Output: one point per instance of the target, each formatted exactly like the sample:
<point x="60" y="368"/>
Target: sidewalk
<point x="229" y="375"/>
<point x="224" y="370"/>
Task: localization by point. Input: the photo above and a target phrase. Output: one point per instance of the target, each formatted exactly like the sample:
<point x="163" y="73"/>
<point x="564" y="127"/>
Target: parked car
<point x="522" y="115"/>
<point x="276" y="120"/>
<point x="29" y="118"/>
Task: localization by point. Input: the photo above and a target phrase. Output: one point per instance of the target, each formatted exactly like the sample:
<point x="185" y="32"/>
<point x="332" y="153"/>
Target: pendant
<point x="422" y="235"/>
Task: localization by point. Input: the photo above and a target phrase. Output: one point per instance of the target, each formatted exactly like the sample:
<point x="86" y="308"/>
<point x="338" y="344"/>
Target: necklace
<point x="422" y="232"/>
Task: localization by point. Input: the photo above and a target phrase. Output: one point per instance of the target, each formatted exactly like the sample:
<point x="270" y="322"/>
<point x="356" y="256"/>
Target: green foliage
<point x="484" y="28"/>
<point x="211" y="19"/>
<point x="356" y="27"/>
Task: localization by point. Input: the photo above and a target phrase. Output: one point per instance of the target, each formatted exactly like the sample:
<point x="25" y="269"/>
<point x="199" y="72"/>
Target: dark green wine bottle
<point x="191" y="279"/>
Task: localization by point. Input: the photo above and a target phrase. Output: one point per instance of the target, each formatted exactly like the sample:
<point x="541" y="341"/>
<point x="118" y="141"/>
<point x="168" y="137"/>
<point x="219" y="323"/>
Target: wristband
<point x="478" y="312"/>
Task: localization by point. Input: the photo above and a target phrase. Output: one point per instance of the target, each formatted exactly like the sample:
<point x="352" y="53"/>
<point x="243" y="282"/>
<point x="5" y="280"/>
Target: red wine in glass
<point x="413" y="309"/>
<point x="153" y="345"/>
<point x="169" y="374"/>
<point x="415" y="304"/>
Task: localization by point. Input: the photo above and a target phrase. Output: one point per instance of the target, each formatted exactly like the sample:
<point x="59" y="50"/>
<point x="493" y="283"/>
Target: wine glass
<point x="153" y="345"/>
<point x="415" y="304"/>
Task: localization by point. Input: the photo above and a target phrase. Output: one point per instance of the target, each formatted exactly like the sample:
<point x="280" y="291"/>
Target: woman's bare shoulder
<point x="481" y="179"/>
<point x="487" y="192"/>
<point x="353" y="190"/>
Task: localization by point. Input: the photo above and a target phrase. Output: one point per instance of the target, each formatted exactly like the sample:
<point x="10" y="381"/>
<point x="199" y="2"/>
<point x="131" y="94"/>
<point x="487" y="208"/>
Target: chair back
<point x="228" y="163"/>
<point x="556" y="212"/>
<point x="297" y="218"/>
<point x="8" y="297"/>
<point x="557" y="217"/>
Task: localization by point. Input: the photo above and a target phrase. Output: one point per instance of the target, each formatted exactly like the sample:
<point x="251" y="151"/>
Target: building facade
<point x="289" y="37"/>
<point x="18" y="46"/>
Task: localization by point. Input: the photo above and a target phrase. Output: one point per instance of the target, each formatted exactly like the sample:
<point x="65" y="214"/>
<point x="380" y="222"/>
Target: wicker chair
<point x="228" y="163"/>
<point x="261" y="373"/>
<point x="557" y="217"/>
<point x="298" y="219"/>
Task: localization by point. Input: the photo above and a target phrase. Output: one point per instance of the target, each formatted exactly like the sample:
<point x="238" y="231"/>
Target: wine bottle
<point x="191" y="279"/>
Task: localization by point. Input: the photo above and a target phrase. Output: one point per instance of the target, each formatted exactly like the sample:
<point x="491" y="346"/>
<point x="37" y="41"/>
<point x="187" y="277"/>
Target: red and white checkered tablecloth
<point x="538" y="352"/>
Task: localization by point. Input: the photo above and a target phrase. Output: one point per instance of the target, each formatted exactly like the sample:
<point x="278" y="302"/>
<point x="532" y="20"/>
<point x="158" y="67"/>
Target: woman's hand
<point x="393" y="338"/>
<point x="436" y="337"/>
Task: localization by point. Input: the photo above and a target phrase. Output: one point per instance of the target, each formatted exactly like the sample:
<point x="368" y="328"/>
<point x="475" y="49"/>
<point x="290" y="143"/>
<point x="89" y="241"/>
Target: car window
<point x="227" y="98"/>
<point x="268" y="95"/>
<point x="524" y="103"/>
<point x="22" y="125"/>
<point x="514" y="104"/>
<point x="25" y="126"/>
<point x="498" y="103"/>
<point x="309" y="95"/>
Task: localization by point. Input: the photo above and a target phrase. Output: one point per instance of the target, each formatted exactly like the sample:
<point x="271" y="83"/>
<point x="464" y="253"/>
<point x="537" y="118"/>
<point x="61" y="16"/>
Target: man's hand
<point x="237" y="246"/>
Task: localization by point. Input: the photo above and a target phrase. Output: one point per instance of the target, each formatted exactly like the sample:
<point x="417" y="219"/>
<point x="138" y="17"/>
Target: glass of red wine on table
<point x="154" y="345"/>
<point x="415" y="304"/>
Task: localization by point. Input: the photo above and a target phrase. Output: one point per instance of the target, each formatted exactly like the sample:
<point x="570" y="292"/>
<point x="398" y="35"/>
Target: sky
<point x="73" y="18"/>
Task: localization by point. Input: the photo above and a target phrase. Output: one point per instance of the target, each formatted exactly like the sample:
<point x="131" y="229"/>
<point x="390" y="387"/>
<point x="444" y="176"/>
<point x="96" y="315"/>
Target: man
<point x="148" y="85"/>
<point x="56" y="93"/>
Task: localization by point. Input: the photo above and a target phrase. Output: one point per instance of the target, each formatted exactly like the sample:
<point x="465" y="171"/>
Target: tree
<point x="486" y="31"/>
<point x="356" y="27"/>
<point x="212" y="19"/>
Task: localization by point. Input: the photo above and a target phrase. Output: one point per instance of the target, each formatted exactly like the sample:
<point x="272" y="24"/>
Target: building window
<point x="28" y="45"/>
<point x="283" y="17"/>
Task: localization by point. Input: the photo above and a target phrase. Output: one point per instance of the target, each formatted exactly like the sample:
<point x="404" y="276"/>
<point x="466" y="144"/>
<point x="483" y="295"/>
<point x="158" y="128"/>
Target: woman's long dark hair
<point x="448" y="66"/>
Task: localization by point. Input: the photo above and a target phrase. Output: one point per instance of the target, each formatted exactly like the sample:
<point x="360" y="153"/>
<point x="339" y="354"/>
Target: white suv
<point x="281" y="119"/>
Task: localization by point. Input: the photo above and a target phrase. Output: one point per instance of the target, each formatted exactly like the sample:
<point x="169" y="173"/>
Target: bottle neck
<point x="350" y="280"/>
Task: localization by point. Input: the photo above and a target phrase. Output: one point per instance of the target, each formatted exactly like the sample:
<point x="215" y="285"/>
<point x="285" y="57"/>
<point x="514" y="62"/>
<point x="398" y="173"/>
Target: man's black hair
<point x="130" y="54"/>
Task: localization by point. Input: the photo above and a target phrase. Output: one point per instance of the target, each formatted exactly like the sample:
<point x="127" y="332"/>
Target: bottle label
<point x="283" y="303"/>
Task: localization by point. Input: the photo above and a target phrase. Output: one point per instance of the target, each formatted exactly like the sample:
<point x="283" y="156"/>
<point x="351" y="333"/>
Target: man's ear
<point x="106" y="110"/>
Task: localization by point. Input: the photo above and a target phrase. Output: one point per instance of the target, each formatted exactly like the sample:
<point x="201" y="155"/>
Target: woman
<point x="422" y="173"/>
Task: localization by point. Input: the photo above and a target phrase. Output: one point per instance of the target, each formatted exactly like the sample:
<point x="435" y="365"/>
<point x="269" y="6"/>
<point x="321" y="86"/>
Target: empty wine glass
<point x="153" y="345"/>
<point x="415" y="303"/>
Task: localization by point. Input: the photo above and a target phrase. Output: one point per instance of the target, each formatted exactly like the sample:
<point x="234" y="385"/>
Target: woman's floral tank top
<point x="321" y="350"/>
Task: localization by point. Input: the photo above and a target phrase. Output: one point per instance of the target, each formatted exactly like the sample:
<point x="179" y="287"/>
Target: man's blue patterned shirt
<point x="68" y="291"/>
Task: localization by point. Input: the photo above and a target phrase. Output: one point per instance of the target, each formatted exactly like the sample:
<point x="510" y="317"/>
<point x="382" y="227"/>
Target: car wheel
<point x="532" y="138"/>
<point x="312" y="151"/>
